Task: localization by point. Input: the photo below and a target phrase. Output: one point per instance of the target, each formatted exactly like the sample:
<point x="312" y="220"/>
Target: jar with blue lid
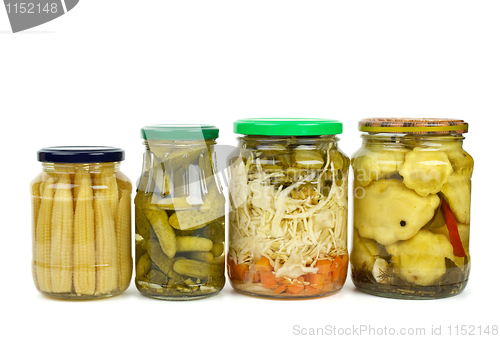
<point x="81" y="218"/>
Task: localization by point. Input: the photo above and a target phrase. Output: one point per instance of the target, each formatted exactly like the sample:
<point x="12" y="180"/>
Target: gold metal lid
<point x="413" y="125"/>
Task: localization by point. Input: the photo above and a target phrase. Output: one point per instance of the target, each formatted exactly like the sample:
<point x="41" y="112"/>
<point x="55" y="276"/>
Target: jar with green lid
<point x="412" y="195"/>
<point x="179" y="214"/>
<point x="288" y="212"/>
<point x="81" y="207"/>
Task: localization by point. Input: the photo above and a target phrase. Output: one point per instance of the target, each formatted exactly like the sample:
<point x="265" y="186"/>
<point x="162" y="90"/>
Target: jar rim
<point x="414" y="125"/>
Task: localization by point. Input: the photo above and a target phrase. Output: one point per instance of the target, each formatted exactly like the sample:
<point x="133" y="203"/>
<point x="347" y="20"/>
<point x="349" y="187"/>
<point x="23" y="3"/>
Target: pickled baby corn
<point x="81" y="231"/>
<point x="61" y="257"/>
<point x="43" y="237"/>
<point x="84" y="251"/>
<point x="124" y="240"/>
<point x="106" y="254"/>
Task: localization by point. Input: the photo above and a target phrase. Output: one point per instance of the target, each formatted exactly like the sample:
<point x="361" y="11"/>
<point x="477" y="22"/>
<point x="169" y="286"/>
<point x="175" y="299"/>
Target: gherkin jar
<point x="179" y="214"/>
<point x="412" y="195"/>
<point x="288" y="213"/>
<point x="81" y="208"/>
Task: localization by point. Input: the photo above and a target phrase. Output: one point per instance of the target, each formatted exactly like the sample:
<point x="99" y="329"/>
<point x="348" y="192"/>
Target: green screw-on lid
<point x="179" y="132"/>
<point x="287" y="126"/>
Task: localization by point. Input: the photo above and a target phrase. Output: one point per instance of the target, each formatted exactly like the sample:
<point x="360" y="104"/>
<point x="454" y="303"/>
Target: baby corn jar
<point x="288" y="213"/>
<point x="412" y="195"/>
<point x="81" y="208"/>
<point x="179" y="214"/>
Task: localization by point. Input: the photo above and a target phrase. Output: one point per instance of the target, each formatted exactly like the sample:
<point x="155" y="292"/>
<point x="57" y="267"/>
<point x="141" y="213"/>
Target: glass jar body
<point x="180" y="221"/>
<point x="411" y="215"/>
<point x="288" y="217"/>
<point x="81" y="230"/>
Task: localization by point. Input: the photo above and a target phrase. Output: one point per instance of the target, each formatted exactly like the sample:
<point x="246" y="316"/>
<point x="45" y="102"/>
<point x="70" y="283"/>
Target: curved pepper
<point x="451" y="224"/>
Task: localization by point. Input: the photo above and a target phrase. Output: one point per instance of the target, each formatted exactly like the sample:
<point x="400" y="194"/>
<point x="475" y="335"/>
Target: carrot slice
<point x="279" y="289"/>
<point x="345" y="260"/>
<point x="316" y="280"/>
<point x="268" y="280"/>
<point x="336" y="263"/>
<point x="295" y="288"/>
<point x="336" y="268"/>
<point x="283" y="281"/>
<point x="237" y="271"/>
<point x="345" y="266"/>
<point x="323" y="266"/>
<point x="311" y="290"/>
<point x="263" y="265"/>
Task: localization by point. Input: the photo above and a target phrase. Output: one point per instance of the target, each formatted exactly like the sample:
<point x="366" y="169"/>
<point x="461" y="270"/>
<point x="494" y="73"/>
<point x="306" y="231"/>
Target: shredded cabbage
<point x="293" y="232"/>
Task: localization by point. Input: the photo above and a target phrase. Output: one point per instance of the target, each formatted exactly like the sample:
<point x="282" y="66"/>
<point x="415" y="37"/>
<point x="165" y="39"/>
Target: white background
<point x="98" y="74"/>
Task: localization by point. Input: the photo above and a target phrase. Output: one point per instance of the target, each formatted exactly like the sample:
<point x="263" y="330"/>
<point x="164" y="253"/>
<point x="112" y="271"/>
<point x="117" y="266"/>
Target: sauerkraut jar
<point x="288" y="212"/>
<point x="412" y="194"/>
<point x="179" y="214"/>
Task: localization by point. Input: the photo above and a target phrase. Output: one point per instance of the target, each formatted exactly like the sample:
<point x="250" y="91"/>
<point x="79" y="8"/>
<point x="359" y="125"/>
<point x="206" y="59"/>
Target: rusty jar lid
<point x="413" y="125"/>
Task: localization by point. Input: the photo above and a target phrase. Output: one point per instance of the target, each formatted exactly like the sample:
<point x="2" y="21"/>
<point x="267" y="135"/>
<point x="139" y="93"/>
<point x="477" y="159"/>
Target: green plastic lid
<point x="179" y="132"/>
<point x="287" y="126"/>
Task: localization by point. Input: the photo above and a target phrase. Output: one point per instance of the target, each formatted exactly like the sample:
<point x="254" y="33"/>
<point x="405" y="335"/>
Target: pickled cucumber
<point x="192" y="219"/>
<point x="159" y="258"/>
<point x="178" y="230"/>
<point x="200" y="256"/>
<point x="307" y="159"/>
<point x="192" y="268"/>
<point x="143" y="266"/>
<point x="191" y="244"/>
<point x="165" y="233"/>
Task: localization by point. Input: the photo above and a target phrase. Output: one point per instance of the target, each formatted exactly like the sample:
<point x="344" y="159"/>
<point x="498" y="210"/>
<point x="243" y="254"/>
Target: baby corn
<point x="124" y="240"/>
<point x="43" y="240"/>
<point x="84" y="243"/>
<point x="106" y="254"/>
<point x="61" y="258"/>
<point x="81" y="230"/>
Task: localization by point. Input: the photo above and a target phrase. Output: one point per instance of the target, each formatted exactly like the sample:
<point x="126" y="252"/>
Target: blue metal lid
<point x="81" y="154"/>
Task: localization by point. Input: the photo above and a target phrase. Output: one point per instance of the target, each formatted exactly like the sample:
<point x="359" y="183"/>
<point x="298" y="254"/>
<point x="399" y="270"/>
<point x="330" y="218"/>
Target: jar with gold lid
<point x="411" y="211"/>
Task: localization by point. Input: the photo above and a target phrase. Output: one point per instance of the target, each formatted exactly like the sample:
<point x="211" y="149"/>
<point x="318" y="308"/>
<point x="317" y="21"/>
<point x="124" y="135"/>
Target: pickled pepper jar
<point x="81" y="208"/>
<point x="179" y="214"/>
<point x="288" y="213"/>
<point x="412" y="195"/>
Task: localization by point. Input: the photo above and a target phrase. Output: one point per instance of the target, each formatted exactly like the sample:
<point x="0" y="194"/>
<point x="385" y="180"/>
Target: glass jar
<point x="81" y="208"/>
<point x="412" y="192"/>
<point x="288" y="215"/>
<point x="179" y="214"/>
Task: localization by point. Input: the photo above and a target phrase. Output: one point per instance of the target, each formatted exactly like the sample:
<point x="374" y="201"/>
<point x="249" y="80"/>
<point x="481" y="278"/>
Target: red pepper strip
<point x="451" y="223"/>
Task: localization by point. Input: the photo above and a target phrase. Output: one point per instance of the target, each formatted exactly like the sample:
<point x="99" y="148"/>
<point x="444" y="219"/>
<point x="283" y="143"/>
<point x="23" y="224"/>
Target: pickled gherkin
<point x="179" y="215"/>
